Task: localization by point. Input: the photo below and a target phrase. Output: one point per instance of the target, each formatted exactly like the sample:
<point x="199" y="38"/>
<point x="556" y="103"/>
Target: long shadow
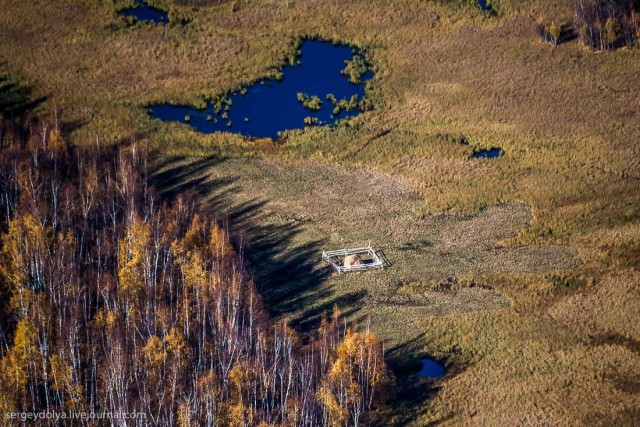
<point x="15" y="98"/>
<point x="567" y="34"/>
<point x="407" y="399"/>
<point x="383" y="257"/>
<point x="286" y="272"/>
<point x="290" y="278"/>
<point x="350" y="303"/>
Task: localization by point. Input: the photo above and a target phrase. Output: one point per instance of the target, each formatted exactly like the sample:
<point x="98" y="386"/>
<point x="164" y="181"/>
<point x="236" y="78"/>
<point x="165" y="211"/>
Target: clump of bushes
<point x="349" y="104"/>
<point x="309" y="121"/>
<point x="200" y="103"/>
<point x="311" y="102"/>
<point x="355" y="69"/>
<point x="277" y="75"/>
<point x="548" y="31"/>
<point x="607" y="24"/>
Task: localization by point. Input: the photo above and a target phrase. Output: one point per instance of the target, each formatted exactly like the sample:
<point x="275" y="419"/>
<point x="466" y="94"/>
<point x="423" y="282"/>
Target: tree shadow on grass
<point x="289" y="276"/>
<point x="286" y="271"/>
<point x="406" y="402"/>
<point x="567" y="33"/>
<point x="350" y="304"/>
<point x="15" y="98"/>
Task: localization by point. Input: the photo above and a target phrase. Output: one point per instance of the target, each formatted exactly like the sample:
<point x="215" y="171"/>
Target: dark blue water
<point x="144" y="12"/>
<point x="431" y="369"/>
<point x="487" y="154"/>
<point x="271" y="106"/>
<point x="487" y="7"/>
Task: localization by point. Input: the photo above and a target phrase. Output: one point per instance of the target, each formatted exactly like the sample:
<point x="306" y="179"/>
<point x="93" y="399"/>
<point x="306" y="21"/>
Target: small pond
<point x="431" y="369"/>
<point x="313" y="92"/>
<point x="487" y="154"/>
<point x="485" y="6"/>
<point x="144" y="12"/>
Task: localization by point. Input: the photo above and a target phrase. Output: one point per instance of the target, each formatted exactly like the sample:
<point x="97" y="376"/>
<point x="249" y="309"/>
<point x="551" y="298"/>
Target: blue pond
<point x="484" y="6"/>
<point x="144" y="12"/>
<point x="487" y="154"/>
<point x="431" y="369"/>
<point x="270" y="106"/>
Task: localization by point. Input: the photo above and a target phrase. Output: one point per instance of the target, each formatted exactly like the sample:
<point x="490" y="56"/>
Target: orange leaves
<point x="185" y="416"/>
<point x="106" y="319"/>
<point x="12" y="381"/>
<point x="56" y="141"/>
<point x="176" y="343"/>
<point x="154" y="353"/>
<point x="336" y="414"/>
<point x="145" y="307"/>
<point x="204" y="235"/>
<point x="240" y="412"/>
<point x="23" y="248"/>
<point x="219" y="242"/>
<point x="356" y="376"/>
<point x="61" y="378"/>
<point x="195" y="237"/>
<point x="132" y="258"/>
<point x="23" y="352"/>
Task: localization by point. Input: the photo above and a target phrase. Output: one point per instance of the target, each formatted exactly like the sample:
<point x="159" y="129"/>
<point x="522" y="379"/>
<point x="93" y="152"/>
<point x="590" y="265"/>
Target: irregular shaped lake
<point x="487" y="154"/>
<point x="431" y="369"/>
<point x="313" y="92"/>
<point x="144" y="12"/>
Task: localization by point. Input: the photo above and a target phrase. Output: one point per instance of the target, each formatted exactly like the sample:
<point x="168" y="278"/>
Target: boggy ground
<point x="565" y="351"/>
<point x="285" y="215"/>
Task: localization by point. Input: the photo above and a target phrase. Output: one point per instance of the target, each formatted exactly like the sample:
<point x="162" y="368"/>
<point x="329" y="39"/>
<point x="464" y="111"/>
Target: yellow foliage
<point x="106" y="319"/>
<point x="176" y="343"/>
<point x="111" y="320"/>
<point x="131" y="258"/>
<point x="194" y="237"/>
<point x="12" y="380"/>
<point x="14" y="364"/>
<point x="219" y="241"/>
<point x="185" y="416"/>
<point x="25" y="231"/>
<point x="56" y="141"/>
<point x="238" y="377"/>
<point x="237" y="415"/>
<point x="61" y="377"/>
<point x="155" y="356"/>
<point x="194" y="271"/>
<point x="25" y="342"/>
<point x="337" y="415"/>
<point x="352" y="374"/>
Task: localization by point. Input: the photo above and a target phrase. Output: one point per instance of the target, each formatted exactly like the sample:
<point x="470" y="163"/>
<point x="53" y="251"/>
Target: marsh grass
<point x="445" y="72"/>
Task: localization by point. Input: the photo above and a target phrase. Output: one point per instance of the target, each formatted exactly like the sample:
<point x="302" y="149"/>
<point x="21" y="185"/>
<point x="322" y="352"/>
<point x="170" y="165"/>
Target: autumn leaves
<point x="122" y="302"/>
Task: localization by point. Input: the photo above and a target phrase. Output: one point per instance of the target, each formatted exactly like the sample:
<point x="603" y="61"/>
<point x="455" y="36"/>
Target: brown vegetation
<point x="118" y="302"/>
<point x="607" y="24"/>
<point x="548" y="347"/>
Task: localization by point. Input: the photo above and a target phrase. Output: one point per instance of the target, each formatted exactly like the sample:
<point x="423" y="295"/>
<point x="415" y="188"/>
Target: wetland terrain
<point x="497" y="175"/>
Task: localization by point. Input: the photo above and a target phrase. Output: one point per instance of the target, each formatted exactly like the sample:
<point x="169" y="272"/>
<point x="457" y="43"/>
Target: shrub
<point x="355" y="69"/>
<point x="310" y="102"/>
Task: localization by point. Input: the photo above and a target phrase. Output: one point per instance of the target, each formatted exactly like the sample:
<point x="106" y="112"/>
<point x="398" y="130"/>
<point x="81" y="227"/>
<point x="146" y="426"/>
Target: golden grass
<point x="530" y="371"/>
<point x="567" y="119"/>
